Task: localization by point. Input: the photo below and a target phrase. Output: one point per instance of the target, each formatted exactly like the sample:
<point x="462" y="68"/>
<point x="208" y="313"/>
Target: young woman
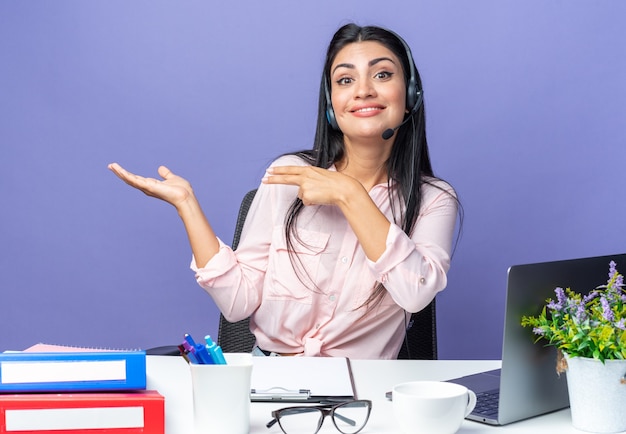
<point x="343" y="240"/>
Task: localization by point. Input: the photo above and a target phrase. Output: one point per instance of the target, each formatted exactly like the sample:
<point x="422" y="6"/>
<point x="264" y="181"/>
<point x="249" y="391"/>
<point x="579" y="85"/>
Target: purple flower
<point x="580" y="315"/>
<point x="612" y="269"/>
<point x="552" y="305"/>
<point x="607" y="313"/>
<point x="560" y="300"/>
<point x="620" y="324"/>
<point x="538" y="331"/>
<point x="587" y="298"/>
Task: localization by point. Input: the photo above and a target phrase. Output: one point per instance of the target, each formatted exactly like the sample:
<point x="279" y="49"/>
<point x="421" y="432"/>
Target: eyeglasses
<point x="348" y="417"/>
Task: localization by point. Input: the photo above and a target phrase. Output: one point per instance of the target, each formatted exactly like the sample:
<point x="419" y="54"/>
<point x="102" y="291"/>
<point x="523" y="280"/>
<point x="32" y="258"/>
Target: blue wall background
<point x="526" y="107"/>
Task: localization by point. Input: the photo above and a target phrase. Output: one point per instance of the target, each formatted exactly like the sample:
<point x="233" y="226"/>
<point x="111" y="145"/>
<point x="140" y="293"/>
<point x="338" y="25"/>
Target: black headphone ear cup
<point x="330" y="113"/>
<point x="414" y="99"/>
<point x="412" y="93"/>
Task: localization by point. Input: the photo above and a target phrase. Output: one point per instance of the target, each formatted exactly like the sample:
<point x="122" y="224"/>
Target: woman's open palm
<point x="172" y="188"/>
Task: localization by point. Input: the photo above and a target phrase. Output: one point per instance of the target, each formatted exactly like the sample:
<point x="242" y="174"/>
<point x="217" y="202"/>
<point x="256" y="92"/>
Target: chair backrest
<point x="420" y="340"/>
<point x="235" y="337"/>
<point x="421" y="336"/>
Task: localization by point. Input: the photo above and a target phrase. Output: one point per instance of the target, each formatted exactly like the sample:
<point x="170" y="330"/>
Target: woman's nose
<point x="365" y="89"/>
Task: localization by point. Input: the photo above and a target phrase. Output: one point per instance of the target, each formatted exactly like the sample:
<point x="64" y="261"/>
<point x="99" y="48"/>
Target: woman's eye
<point x="384" y="75"/>
<point x="344" y="81"/>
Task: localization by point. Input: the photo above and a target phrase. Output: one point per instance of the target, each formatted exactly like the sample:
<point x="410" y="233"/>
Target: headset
<point x="414" y="94"/>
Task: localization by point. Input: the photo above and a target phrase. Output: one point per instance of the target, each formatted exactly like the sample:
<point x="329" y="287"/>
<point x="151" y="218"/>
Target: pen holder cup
<point x="221" y="395"/>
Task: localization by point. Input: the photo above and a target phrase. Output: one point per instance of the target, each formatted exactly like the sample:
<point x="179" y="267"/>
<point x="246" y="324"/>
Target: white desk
<point x="170" y="376"/>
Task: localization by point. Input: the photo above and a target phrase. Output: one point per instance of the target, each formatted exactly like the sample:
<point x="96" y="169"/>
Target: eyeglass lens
<point x="348" y="418"/>
<point x="351" y="417"/>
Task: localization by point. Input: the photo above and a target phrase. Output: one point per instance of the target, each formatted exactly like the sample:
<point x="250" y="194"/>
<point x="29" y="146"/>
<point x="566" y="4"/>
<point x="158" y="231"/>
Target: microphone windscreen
<point x="387" y="133"/>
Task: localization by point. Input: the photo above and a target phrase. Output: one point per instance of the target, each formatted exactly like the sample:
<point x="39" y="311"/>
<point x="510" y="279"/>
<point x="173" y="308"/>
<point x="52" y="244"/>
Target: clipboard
<point x="301" y="379"/>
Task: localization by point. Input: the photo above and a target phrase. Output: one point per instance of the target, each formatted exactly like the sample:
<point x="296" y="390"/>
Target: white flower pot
<point x="597" y="394"/>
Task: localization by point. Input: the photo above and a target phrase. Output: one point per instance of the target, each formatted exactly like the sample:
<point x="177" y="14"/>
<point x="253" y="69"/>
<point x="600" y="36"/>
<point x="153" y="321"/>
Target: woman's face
<point x="368" y="92"/>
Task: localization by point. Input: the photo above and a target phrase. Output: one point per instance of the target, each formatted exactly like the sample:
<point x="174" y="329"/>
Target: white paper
<point x="322" y="376"/>
<point x="74" y="418"/>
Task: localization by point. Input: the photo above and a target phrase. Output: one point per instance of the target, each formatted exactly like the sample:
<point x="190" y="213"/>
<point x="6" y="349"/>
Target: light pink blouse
<point x="320" y="313"/>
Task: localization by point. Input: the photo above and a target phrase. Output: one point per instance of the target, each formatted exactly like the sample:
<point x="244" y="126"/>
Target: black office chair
<point x="420" y="340"/>
<point x="235" y="337"/>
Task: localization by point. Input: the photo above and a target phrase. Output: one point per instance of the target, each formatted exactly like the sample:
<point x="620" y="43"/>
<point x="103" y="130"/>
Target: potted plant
<point x="589" y="332"/>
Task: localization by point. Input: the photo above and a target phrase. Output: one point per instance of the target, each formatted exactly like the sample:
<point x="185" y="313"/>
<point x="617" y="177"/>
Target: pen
<point x="215" y="351"/>
<point x="189" y="340"/>
<point x="203" y="355"/>
<point x="190" y="350"/>
<point x="183" y="352"/>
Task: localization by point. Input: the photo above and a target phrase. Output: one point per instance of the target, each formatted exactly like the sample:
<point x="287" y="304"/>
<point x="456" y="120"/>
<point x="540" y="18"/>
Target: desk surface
<point x="170" y="376"/>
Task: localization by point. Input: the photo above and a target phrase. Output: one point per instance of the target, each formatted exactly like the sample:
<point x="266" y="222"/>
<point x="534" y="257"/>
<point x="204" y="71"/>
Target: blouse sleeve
<point x="413" y="269"/>
<point x="234" y="279"/>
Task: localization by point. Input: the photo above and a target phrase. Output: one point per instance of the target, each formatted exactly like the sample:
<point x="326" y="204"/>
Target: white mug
<point x="431" y="407"/>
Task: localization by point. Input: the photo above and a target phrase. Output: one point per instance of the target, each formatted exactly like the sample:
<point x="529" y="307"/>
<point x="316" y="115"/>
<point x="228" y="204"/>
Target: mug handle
<point x="471" y="402"/>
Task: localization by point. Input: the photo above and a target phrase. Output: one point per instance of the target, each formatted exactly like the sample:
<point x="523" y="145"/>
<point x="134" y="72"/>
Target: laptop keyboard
<point x="487" y="404"/>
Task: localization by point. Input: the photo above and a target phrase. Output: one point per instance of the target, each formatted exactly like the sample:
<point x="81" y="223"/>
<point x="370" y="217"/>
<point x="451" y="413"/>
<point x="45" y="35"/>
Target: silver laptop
<point x="528" y="385"/>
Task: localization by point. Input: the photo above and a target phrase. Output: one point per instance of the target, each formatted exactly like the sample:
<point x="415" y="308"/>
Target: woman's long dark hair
<point x="409" y="162"/>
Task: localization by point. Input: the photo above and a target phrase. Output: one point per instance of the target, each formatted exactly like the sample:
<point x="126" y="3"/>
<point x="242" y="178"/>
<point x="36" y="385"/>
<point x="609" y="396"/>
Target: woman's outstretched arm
<point x="177" y="191"/>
